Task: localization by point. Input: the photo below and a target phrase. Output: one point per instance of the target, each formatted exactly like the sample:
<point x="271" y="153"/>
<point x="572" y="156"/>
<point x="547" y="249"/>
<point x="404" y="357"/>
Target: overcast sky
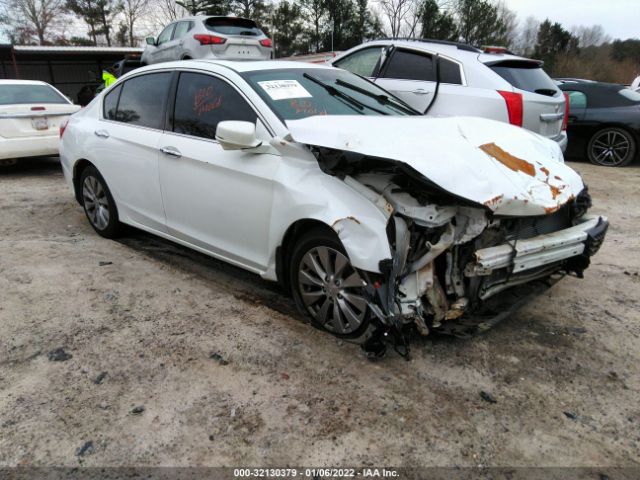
<point x="619" y="18"/>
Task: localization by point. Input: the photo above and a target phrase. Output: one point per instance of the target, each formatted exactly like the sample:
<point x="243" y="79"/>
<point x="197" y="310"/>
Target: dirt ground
<point x="564" y="371"/>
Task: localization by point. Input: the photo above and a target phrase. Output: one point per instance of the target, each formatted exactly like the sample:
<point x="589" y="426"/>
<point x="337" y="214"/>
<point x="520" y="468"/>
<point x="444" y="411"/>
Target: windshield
<point x="25" y="94"/>
<point x="303" y="92"/>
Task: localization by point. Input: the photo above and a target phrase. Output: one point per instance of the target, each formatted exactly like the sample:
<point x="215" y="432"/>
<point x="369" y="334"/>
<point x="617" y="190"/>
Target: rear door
<point x="173" y="49"/>
<point x="543" y="102"/>
<point x="32" y="110"/>
<point x="411" y="75"/>
<point x="162" y="51"/>
<point x="124" y="144"/>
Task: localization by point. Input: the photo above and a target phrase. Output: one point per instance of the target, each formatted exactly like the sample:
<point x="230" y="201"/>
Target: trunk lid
<point x="31" y="120"/>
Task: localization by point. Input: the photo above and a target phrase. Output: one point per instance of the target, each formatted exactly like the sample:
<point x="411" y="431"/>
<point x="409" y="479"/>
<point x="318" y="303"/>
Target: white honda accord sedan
<point x="375" y="217"/>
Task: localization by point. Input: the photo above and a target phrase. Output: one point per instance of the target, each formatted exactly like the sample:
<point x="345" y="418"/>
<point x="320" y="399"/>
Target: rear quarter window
<point x="527" y="76"/>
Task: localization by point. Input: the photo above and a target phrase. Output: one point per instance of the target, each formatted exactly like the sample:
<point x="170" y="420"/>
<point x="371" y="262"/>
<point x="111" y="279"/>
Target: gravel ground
<point x="178" y="359"/>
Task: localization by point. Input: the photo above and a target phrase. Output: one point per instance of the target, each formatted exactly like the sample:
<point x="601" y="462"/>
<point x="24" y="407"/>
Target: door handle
<point x="171" y="151"/>
<point x="101" y="133"/>
<point x="420" y="91"/>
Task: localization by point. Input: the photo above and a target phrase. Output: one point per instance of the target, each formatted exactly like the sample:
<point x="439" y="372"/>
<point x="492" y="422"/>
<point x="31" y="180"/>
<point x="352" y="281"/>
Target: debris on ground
<point x="218" y="358"/>
<point x="137" y="410"/>
<point x="59" y="355"/>
<point x="487" y="397"/>
<point x="570" y="415"/>
<point x="85" y="449"/>
<point x="101" y="376"/>
<point x="103" y="264"/>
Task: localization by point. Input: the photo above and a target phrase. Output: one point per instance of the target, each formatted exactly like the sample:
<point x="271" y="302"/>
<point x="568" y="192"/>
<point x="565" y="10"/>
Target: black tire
<point x="611" y="147"/>
<point x="310" y="243"/>
<point x="96" y="200"/>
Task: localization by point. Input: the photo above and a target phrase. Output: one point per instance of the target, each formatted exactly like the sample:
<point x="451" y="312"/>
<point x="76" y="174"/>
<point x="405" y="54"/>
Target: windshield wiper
<point x="337" y="93"/>
<point x="381" y="98"/>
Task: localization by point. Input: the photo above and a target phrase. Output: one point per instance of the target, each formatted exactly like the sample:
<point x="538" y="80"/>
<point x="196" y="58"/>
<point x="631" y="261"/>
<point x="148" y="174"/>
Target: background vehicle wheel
<point x="327" y="288"/>
<point x="98" y="203"/>
<point x="611" y="147"/>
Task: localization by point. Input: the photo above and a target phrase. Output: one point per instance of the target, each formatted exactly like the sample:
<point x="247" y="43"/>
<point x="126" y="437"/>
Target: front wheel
<point x="98" y="203"/>
<point x="327" y="288"/>
<point x="611" y="147"/>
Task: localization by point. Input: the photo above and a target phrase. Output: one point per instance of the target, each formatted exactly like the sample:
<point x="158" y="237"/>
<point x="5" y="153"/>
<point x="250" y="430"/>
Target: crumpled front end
<point x="456" y="266"/>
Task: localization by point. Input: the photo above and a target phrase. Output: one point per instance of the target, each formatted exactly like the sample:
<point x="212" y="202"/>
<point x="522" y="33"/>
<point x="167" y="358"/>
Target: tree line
<point x="310" y="26"/>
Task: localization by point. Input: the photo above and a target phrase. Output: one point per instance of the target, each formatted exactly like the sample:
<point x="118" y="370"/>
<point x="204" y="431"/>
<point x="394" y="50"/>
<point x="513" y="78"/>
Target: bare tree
<point x="526" y="41"/>
<point x="133" y="10"/>
<point x="395" y="12"/>
<point x="33" y="18"/>
<point x="163" y="12"/>
<point x="592" y="36"/>
<point x="510" y="20"/>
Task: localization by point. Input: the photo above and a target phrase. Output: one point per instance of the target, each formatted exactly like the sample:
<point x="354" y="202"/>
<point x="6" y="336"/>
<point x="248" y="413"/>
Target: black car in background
<point x="604" y="122"/>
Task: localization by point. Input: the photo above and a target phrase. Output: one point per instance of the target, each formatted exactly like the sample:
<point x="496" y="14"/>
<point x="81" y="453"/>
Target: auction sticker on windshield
<point x="284" y="89"/>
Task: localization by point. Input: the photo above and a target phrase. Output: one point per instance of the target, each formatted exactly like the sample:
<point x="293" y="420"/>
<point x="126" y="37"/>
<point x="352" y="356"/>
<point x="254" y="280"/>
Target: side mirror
<point x="151" y="41"/>
<point x="235" y="135"/>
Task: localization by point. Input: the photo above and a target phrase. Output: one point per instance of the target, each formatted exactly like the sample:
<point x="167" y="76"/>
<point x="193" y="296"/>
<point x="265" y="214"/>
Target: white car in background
<point x="31" y="113"/>
<point x="491" y="84"/>
<point x="224" y="38"/>
<point x="372" y="215"/>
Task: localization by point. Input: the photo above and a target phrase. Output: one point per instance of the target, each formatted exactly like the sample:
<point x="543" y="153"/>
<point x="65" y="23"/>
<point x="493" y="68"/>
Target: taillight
<point x="209" y="39"/>
<point x="37" y="109"/>
<point x="63" y="127"/>
<point x="514" y="106"/>
<point x="266" y="43"/>
<point x="565" y="120"/>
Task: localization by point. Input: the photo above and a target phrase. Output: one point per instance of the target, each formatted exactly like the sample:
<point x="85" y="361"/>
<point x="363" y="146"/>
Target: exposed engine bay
<point x="456" y="266"/>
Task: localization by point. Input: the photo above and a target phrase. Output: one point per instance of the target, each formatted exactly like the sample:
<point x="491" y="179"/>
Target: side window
<point x="362" y="62"/>
<point x="165" y="36"/>
<point x="450" y="72"/>
<point x="577" y="99"/>
<point x="111" y="103"/>
<point x="181" y="29"/>
<point x="408" y="65"/>
<point x="202" y="101"/>
<point x="143" y="99"/>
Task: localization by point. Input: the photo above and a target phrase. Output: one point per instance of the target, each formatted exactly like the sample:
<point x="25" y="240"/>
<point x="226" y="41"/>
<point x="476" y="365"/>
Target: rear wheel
<point x="327" y="288"/>
<point x="611" y="147"/>
<point x="98" y="203"/>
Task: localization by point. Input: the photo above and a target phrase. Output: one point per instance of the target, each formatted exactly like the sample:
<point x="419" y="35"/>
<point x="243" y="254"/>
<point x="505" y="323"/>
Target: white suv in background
<point x="225" y="38"/>
<point x="492" y="83"/>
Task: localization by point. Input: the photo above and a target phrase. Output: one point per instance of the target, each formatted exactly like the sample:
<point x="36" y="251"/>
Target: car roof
<point x="237" y="66"/>
<point x="460" y="51"/>
<point x="23" y="82"/>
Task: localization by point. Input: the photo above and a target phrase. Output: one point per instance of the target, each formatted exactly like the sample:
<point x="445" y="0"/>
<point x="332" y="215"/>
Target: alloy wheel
<point x="95" y="202"/>
<point x="611" y="148"/>
<point x="332" y="290"/>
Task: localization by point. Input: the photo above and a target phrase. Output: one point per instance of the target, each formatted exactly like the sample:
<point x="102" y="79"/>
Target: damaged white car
<point x="376" y="218"/>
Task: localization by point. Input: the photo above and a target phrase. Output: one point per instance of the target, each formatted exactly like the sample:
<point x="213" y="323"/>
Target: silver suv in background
<point x="226" y="38"/>
<point x="489" y="83"/>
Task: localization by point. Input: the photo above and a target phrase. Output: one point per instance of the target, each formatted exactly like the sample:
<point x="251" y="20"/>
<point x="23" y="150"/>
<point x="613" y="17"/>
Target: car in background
<point x="31" y="113"/>
<point x="226" y="38"/>
<point x="126" y="65"/>
<point x="319" y="179"/>
<point x="491" y="84"/>
<point x="604" y="122"/>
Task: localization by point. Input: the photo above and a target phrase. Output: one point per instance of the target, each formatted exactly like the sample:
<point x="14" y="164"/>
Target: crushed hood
<point x="508" y="169"/>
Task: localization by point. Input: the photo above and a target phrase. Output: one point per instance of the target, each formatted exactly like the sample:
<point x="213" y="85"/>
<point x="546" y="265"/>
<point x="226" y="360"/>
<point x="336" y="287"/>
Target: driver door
<point x="214" y="199"/>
